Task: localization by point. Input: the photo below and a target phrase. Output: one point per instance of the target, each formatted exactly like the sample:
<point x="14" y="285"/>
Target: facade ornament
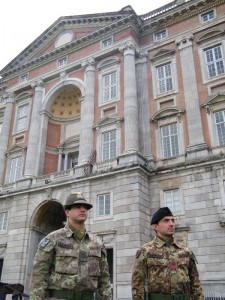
<point x="129" y="47"/>
<point x="184" y="41"/>
<point x="37" y="83"/>
<point x="90" y="62"/>
<point x="8" y="96"/>
<point x="142" y="57"/>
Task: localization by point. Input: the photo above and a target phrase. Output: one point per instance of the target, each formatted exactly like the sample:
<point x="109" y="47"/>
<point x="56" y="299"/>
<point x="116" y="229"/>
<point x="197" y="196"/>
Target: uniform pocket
<point x="66" y="261"/>
<point x="94" y="257"/>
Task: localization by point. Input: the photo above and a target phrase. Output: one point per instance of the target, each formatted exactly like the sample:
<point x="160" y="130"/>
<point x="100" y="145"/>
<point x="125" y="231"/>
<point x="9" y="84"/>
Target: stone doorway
<point x="49" y="217"/>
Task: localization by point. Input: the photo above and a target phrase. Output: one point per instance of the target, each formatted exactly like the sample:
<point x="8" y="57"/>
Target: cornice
<point x="18" y="65"/>
<point x="178" y="14"/>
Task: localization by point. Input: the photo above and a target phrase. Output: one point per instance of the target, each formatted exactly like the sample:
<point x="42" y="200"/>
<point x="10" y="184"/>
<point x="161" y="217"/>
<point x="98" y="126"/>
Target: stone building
<point x="129" y="110"/>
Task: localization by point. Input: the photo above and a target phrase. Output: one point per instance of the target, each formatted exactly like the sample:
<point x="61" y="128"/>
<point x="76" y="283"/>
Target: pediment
<point x="64" y="34"/>
<point x="105" y="63"/>
<point x="162" y="53"/>
<point x="210" y="34"/>
<point x="70" y="143"/>
<point x="166" y="113"/>
<point x="16" y="148"/>
<point x="108" y="120"/>
<point x="215" y="101"/>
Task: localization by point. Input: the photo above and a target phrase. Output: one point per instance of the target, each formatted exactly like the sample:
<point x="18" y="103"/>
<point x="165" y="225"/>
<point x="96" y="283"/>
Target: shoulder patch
<point x="138" y="253"/>
<point x="43" y="243"/>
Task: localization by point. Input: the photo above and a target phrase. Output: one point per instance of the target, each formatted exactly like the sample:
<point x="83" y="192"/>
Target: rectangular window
<point x="103" y="205"/>
<point x="3" y="221"/>
<point x="214" y="61"/>
<point x="22" y="117"/>
<point x="110" y="86"/>
<point x="109" y="145"/>
<point x="24" y="78"/>
<point x="160" y="35"/>
<point x="15" y="170"/>
<point x="169" y="135"/>
<point x="220" y="126"/>
<point x="165" y="81"/>
<point x="1" y="126"/>
<point x="172" y="200"/>
<point x="107" y="42"/>
<point x="62" y="62"/>
<point x="208" y="16"/>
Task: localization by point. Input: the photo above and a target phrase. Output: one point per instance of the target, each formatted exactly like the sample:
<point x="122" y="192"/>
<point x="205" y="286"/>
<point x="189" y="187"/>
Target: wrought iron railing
<point x="159" y="10"/>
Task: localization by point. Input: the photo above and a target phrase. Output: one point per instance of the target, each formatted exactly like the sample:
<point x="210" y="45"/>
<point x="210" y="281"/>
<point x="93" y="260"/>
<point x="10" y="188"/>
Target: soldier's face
<point x="77" y="214"/>
<point x="165" y="227"/>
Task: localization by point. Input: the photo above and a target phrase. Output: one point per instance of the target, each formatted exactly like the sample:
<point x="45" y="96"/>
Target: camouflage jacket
<point x="64" y="262"/>
<point x="168" y="268"/>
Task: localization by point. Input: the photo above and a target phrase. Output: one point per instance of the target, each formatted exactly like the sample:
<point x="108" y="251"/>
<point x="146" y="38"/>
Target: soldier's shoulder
<point x="49" y="242"/>
<point x="96" y="239"/>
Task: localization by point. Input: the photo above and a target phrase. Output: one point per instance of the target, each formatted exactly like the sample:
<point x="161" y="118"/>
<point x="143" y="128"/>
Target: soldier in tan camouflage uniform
<point x="70" y="262"/>
<point x="164" y="267"/>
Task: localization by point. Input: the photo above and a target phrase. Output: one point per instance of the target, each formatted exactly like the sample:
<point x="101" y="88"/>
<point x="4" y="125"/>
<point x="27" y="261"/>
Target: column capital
<point x="129" y="48"/>
<point x="9" y="97"/>
<point x="142" y="57"/>
<point x="37" y="84"/>
<point x="89" y="64"/>
<point x="184" y="41"/>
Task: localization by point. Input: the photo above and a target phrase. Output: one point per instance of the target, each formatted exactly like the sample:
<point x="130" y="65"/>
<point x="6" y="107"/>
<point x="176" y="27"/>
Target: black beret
<point x="161" y="213"/>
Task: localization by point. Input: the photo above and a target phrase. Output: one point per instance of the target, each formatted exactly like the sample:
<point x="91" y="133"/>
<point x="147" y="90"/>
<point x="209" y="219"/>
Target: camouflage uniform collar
<point x="160" y="242"/>
<point x="70" y="232"/>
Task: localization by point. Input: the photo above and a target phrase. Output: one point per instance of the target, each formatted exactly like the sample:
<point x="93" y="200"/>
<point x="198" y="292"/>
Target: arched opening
<point x="49" y="217"/>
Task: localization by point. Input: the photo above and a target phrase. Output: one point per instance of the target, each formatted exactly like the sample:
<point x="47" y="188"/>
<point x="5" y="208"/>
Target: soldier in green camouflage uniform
<point x="164" y="267"/>
<point x="70" y="262"/>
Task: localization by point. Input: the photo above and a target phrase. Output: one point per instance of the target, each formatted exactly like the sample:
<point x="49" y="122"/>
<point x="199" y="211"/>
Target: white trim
<point x="104" y="217"/>
<point x="20" y="104"/>
<point x="207" y="13"/>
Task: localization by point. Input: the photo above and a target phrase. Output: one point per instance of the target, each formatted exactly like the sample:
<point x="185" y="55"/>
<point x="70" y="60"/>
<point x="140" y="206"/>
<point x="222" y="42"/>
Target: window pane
<point x="220" y="125"/>
<point x="22" y="117"/>
<point x="165" y="82"/>
<point x="215" y="61"/>
<point x="109" y="145"/>
<point x="104" y="204"/>
<point x="169" y="135"/>
<point x="3" y="221"/>
<point x="110" y="86"/>
<point x="15" y="169"/>
<point x="172" y="200"/>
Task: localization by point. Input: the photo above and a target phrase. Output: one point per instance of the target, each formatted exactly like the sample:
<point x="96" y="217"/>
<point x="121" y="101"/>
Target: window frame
<point x="160" y="33"/>
<point x="106" y="67"/>
<point x="109" y="143"/>
<point x="170" y="136"/>
<point x="98" y="217"/>
<point x="207" y="14"/>
<point x="162" y="61"/>
<point x="172" y="207"/>
<point x="214" y="62"/>
<point x="24" y="78"/>
<point x="64" y="60"/>
<point x="17" y="174"/>
<point x="110" y="38"/>
<point x="16" y="151"/>
<point x="16" y="121"/>
<point x="104" y="204"/>
<point x="2" y="229"/>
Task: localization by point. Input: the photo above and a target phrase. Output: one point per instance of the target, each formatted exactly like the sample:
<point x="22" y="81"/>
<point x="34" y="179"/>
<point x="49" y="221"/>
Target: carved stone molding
<point x="129" y="47"/>
<point x="39" y="83"/>
<point x="184" y="41"/>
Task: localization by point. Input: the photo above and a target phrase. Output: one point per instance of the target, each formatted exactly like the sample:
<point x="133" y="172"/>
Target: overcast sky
<point x="22" y="21"/>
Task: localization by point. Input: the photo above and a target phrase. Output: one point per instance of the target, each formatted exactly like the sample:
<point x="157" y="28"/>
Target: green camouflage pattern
<point x="168" y="268"/>
<point x="62" y="262"/>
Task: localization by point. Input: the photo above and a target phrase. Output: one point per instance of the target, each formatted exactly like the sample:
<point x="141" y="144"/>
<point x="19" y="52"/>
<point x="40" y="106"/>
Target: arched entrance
<point x="48" y="217"/>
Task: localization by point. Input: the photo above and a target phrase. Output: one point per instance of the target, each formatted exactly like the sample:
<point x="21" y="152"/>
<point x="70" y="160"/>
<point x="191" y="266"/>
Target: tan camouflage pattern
<point x="64" y="262"/>
<point x="168" y="268"/>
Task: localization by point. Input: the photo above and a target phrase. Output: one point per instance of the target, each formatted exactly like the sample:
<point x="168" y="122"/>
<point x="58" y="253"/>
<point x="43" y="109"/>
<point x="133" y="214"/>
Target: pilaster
<point x="4" y="136"/>
<point x="33" y="153"/>
<point x="87" y="112"/>
<point x="197" y="145"/>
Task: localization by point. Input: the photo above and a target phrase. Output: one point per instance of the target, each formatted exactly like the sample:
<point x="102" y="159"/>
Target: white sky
<point x="22" y="21"/>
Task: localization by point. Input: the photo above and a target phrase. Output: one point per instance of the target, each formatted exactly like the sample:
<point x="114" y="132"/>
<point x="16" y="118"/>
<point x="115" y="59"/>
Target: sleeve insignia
<point x="138" y="253"/>
<point x="44" y="243"/>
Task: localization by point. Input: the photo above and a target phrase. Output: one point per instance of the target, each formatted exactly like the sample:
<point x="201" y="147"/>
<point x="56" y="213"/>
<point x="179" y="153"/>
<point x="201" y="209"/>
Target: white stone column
<point x="195" y="131"/>
<point x="130" y="98"/>
<point x="32" y="158"/>
<point x="87" y="113"/>
<point x="4" y="136"/>
<point x="143" y="105"/>
<point x="59" y="161"/>
<point x="66" y="161"/>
